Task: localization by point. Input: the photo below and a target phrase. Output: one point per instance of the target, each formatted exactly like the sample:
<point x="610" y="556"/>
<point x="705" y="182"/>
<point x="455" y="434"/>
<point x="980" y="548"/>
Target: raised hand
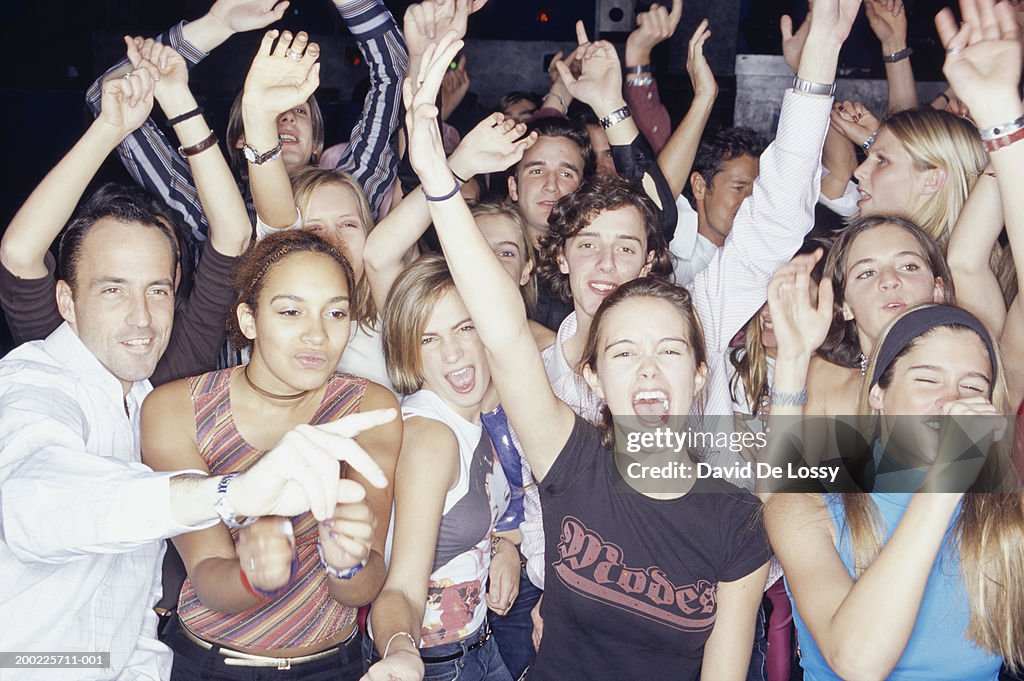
<point x="793" y="43"/>
<point x="800" y="325"/>
<point x="238" y="16"/>
<point x="701" y="77"/>
<point x="127" y="101"/>
<point x="303" y="472"/>
<point x="652" y="27"/>
<point x="426" y="22"/>
<point x="600" y="81"/>
<point x="854" y="121"/>
<point x="347" y="536"/>
<point x="968" y="429"/>
<point x="426" y="150"/>
<point x="494" y="145"/>
<point x="265" y="551"/>
<point x="168" y="68"/>
<point x="282" y="75"/>
<point x="983" y="57"/>
<point x="454" y="87"/>
<point x="832" y="19"/>
<point x="888" y="21"/>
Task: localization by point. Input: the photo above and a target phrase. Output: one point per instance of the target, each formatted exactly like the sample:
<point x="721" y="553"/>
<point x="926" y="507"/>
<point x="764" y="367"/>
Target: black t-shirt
<point x="630" y="588"/>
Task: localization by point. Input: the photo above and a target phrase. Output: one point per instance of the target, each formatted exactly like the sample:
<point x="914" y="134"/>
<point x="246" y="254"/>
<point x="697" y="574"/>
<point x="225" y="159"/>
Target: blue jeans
<point x="514" y="630"/>
<point x="480" y="664"/>
<point x="758" y="670"/>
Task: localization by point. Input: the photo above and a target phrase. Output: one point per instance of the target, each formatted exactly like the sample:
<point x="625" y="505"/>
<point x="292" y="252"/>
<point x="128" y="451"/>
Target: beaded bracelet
<point x="781" y="399"/>
<point x="869" y="141"/>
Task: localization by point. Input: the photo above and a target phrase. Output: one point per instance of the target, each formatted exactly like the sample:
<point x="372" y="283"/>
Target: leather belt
<point x="454" y="656"/>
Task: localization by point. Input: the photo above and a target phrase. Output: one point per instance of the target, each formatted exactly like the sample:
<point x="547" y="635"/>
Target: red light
<point x="543" y="16"/>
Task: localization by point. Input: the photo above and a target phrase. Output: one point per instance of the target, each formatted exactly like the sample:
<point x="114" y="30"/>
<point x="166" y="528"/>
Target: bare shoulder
<point x="377" y="396"/>
<point x="831" y="389"/>
<point x="169" y="428"/>
<point x="789" y="514"/>
<point x="169" y="401"/>
<point x="429" y="450"/>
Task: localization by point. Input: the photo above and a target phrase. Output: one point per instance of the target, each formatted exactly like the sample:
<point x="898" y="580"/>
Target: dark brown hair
<point x="638" y="289"/>
<point x="842" y="346"/>
<point x="252" y="269"/>
<point x="575" y="211"/>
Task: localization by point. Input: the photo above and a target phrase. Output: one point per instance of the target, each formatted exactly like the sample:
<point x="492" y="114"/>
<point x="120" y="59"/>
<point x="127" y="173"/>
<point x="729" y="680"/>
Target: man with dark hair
<point x="723" y="175"/>
<point x="81" y="519"/>
<point x="519" y="105"/>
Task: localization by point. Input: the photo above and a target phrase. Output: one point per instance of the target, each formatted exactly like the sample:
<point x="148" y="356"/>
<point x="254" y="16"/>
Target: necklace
<point x="863" y="361"/>
<point x="267" y="393"/>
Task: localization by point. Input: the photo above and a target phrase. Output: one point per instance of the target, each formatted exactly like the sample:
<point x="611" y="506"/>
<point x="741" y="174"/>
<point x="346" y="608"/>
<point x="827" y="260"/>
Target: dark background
<point x="53" y="50"/>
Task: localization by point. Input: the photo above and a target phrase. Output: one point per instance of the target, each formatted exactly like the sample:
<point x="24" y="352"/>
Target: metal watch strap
<point x="617" y="116"/>
<point x="256" y="158"/>
<point x="811" y="88"/>
<point x="223" y="507"/>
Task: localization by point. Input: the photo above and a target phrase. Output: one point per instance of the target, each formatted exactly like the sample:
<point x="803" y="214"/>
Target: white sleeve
<point x="845" y="205"/>
<point x="263" y="230"/>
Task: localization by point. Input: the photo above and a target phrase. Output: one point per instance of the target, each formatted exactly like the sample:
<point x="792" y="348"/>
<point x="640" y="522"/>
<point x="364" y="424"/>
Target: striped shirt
<point x="154" y="163"/>
<point x="306" y="614"/>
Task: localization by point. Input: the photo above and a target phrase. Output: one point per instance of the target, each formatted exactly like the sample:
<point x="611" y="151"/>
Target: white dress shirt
<point x="81" y="518"/>
<point x="690" y="251"/>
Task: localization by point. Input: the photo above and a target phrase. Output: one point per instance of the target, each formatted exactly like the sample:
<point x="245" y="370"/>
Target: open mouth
<point x="651" y="407"/>
<point x="602" y="288"/>
<point x="288" y="139"/>
<point x="138" y="345"/>
<point x="463" y="380"/>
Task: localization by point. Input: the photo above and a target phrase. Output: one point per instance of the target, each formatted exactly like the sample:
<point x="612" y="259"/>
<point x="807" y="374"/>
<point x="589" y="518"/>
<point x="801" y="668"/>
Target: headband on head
<point x="920" y="321"/>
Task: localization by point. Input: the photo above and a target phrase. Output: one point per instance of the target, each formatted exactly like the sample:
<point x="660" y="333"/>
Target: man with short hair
<point x="81" y="519"/>
<point x="723" y="175"/>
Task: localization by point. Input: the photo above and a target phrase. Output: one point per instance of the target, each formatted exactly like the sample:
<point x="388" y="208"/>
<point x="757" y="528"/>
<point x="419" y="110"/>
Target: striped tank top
<point x="306" y="615"/>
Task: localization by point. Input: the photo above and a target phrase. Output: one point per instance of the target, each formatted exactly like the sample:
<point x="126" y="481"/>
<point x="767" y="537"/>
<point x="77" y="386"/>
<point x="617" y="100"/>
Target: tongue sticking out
<point x="650" y="411"/>
<point x="463" y="380"/>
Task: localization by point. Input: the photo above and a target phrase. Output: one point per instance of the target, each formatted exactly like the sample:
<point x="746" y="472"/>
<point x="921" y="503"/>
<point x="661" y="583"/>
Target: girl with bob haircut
<point x="451" y="490"/>
<point x="878" y="267"/>
<point x="700" y="580"/>
<point x="282" y="591"/>
<point x="929" y="583"/>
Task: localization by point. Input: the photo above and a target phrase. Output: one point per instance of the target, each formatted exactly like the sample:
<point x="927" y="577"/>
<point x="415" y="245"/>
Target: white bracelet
<point x="395" y="635"/>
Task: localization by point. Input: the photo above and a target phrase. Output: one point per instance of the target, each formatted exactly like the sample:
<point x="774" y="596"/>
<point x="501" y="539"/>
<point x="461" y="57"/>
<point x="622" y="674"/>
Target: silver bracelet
<point x="395" y="635"/>
<point x="617" y="116"/>
<point x="869" y="141"/>
<point x="781" y="399"/>
<point x="347" y="573"/>
<point x="1001" y="130"/>
<point x="565" y="107"/>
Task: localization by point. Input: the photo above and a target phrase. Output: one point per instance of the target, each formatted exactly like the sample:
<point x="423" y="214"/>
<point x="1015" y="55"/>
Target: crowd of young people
<point x="399" y="393"/>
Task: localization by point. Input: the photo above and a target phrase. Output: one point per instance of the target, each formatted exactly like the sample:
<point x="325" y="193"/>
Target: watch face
<point x="249" y="153"/>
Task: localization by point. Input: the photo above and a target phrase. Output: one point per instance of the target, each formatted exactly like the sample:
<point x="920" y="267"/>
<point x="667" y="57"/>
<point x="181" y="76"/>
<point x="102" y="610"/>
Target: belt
<point x="454" y="656"/>
<point x="237" y="658"/>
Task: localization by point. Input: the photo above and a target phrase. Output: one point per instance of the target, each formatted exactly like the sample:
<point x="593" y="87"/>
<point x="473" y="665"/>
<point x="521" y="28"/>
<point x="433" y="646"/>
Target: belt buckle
<point x="285" y="664"/>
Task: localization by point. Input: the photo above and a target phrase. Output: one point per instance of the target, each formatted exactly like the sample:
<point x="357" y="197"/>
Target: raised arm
<point x="653" y="27"/>
<point x="969" y="254"/>
<point x="985" y="75"/>
<point x="282" y="77"/>
<point x="148" y="156"/>
<point x="676" y="159"/>
<point x="230" y="229"/>
<point x="542" y="422"/>
<point x="127" y="102"/>
<point x="489" y="147"/>
<point x="888" y="20"/>
<point x="600" y="86"/>
<point x="370" y="156"/>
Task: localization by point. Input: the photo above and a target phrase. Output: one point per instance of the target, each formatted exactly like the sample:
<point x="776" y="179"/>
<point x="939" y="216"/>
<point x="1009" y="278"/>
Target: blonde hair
<point x="407" y="310"/>
<point x="989" y="532"/>
<point x="940" y="140"/>
<point x="513" y="215"/>
<point x="305" y="182"/>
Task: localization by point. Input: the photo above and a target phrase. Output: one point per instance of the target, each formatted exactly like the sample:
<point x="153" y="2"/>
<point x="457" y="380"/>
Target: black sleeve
<point x="637" y="159"/>
<point x="743" y="540"/>
<point x="30" y="305"/>
<point x="199" y="330"/>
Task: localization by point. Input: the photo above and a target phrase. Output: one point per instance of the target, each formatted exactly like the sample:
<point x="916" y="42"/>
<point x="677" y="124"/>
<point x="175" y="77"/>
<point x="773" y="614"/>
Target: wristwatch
<point x="812" y="88"/>
<point x="223" y="507"/>
<point x="256" y="158"/>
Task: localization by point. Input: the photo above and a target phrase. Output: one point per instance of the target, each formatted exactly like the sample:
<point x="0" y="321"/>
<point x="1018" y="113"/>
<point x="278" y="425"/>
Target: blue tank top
<point x="938" y="646"/>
